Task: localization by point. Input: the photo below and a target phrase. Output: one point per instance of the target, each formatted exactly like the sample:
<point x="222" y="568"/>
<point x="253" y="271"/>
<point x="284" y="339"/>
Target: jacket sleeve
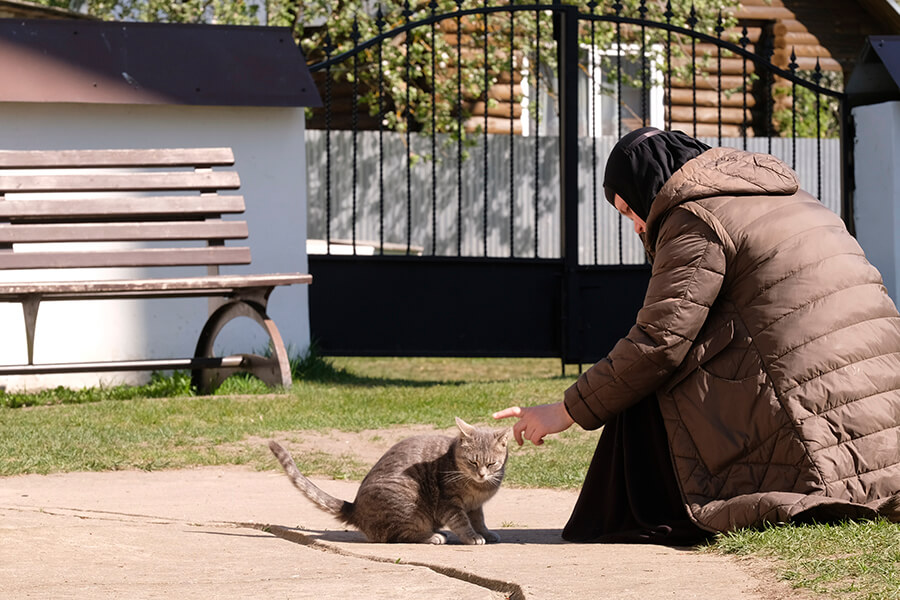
<point x="686" y="278"/>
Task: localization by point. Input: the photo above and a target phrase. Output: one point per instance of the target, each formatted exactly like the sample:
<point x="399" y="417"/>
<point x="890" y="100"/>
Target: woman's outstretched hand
<point x="537" y="421"/>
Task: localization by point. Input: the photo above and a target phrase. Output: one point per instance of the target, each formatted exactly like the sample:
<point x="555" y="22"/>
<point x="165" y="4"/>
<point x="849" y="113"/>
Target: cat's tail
<point x="337" y="507"/>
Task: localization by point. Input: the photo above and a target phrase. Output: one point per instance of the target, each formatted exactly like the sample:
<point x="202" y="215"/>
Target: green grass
<point x="162" y="425"/>
<point x="850" y="561"/>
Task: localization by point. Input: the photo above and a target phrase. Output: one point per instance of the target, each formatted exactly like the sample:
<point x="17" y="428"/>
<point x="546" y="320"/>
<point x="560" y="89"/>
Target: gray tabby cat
<point x="421" y="484"/>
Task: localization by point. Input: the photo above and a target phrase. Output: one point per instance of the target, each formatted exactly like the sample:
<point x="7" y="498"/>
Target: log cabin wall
<point x="828" y="32"/>
<point x="10" y="9"/>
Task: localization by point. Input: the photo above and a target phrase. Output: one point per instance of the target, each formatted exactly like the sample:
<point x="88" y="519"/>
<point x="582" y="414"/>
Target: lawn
<point x="163" y="426"/>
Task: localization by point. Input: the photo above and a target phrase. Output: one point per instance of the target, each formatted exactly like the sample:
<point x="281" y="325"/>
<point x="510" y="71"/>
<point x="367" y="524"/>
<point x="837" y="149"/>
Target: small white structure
<point x="874" y="90"/>
<point x="85" y="85"/>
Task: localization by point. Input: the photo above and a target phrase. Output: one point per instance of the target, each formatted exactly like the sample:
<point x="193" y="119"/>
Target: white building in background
<point x="89" y="84"/>
<point x="874" y="91"/>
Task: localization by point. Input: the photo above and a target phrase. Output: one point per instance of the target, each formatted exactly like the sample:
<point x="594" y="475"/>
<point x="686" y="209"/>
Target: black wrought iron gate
<point x="399" y="273"/>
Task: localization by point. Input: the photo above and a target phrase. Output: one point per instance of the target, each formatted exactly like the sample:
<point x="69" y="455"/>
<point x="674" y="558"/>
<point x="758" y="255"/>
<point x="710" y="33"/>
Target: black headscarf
<point x="641" y="163"/>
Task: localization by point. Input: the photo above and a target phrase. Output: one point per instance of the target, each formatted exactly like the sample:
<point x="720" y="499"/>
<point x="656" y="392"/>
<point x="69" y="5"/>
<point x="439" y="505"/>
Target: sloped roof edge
<point x="82" y="61"/>
<point x="876" y="77"/>
<point x="887" y="11"/>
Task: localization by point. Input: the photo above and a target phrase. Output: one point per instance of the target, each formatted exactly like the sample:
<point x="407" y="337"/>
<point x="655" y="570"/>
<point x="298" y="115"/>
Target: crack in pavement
<point x="115" y="516"/>
<point x="511" y="590"/>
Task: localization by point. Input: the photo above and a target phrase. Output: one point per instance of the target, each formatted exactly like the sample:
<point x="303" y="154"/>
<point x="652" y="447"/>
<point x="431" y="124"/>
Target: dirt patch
<point x="769" y="583"/>
<point x="365" y="447"/>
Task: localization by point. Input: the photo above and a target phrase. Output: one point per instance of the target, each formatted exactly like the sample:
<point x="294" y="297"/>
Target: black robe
<point x="630" y="494"/>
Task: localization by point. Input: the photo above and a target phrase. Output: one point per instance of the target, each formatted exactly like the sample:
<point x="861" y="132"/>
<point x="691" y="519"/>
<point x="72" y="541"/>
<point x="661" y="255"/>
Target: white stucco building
<point x="89" y="84"/>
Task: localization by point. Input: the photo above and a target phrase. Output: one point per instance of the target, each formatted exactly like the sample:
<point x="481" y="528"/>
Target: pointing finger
<point x="513" y="411"/>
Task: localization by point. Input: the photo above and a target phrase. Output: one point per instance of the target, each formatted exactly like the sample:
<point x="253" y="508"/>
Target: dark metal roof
<point x="151" y="63"/>
<point x="876" y="77"/>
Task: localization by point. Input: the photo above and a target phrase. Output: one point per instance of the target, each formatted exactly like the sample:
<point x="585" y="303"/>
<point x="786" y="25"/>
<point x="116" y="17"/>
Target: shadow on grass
<point x="328" y="373"/>
<point x="321" y="370"/>
<point x="311" y="367"/>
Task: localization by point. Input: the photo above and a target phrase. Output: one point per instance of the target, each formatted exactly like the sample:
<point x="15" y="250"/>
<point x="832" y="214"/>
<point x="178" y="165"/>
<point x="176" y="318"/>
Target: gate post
<point x="848" y="174"/>
<point x="567" y="50"/>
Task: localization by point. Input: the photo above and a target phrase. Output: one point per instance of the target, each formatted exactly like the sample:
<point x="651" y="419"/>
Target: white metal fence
<point x="439" y="208"/>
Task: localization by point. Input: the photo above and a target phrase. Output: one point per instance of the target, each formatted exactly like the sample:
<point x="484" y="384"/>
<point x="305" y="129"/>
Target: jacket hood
<point x="721" y="172"/>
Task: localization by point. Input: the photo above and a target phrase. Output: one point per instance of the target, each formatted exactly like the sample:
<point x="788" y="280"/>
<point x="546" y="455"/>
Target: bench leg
<point x="30" y="306"/>
<point x="274" y="370"/>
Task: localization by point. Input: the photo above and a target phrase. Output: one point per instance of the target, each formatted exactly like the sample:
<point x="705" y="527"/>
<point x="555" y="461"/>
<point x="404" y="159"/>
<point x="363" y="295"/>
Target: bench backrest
<point x="107" y="197"/>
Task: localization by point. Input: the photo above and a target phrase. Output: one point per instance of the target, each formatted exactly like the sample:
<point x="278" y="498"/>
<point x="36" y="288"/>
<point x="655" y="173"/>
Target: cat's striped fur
<point x="420" y="485"/>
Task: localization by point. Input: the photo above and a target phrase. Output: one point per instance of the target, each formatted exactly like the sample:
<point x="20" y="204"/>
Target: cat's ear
<point x="466" y="429"/>
<point x="503" y="436"/>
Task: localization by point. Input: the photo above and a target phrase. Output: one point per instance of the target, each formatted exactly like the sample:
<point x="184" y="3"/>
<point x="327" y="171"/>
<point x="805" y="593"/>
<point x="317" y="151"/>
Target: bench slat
<point x="123" y="365"/>
<point x="116" y="182"/>
<point x="113" y="207"/>
<point x="181" y="157"/>
<point x="175" y="286"/>
<point x="141" y="257"/>
<point x="99" y="232"/>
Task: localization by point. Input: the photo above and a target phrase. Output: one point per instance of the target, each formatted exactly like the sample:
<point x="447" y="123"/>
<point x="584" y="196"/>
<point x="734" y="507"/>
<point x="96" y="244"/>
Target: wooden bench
<point x="143" y="197"/>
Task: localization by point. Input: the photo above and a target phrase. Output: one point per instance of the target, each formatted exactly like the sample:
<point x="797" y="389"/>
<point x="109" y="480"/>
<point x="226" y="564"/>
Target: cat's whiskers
<point x="454" y="476"/>
<point x="495" y="478"/>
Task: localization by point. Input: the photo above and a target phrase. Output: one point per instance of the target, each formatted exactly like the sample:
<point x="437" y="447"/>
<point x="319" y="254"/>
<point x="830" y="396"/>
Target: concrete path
<point x="235" y="533"/>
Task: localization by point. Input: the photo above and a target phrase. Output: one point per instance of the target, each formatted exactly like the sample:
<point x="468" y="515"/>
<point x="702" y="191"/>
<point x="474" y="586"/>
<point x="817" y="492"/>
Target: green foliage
<point x="160" y="386"/>
<point x="175" y="385"/>
<point x="806" y="104"/>
<point x="223" y="12"/>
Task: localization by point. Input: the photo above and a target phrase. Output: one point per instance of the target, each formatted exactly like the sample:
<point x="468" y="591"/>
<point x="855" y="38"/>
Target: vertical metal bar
<point x="354" y="119"/>
<point x="719" y="29"/>
<point x="645" y="84"/>
<point x="484" y="137"/>
<point x="692" y="22"/>
<point x="406" y="14"/>
<point x="793" y="67"/>
<point x="537" y="124"/>
<point x="618" y="8"/>
<point x="568" y="73"/>
<point x="769" y="50"/>
<point x="379" y="22"/>
<point x="592" y="103"/>
<point x="669" y="14"/>
<point x="817" y="78"/>
<point x="328" y="98"/>
<point x="744" y="41"/>
<point x="433" y="6"/>
<point x="459" y="130"/>
<point x="512" y="129"/>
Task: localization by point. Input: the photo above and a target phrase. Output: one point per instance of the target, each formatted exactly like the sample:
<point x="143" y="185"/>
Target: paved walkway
<point x="235" y="533"/>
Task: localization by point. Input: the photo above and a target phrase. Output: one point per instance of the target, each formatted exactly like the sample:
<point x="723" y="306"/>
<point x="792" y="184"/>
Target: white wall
<point x="270" y="158"/>
<point x="877" y="194"/>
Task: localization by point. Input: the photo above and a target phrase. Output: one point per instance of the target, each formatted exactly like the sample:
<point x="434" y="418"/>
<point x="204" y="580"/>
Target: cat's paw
<point x="475" y="539"/>
<point x="490" y="537"/>
<point x="437" y="538"/>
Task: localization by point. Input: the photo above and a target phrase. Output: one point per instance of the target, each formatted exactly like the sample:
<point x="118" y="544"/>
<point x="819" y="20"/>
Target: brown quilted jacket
<point x="771" y="344"/>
